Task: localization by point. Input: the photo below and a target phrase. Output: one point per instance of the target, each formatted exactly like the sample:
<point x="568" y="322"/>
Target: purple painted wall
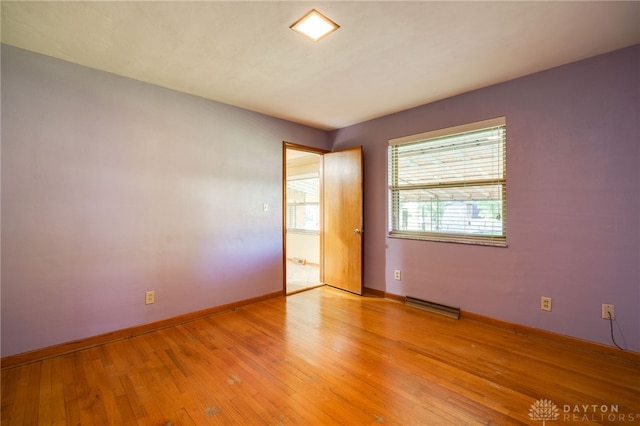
<point x="573" y="203"/>
<point x="112" y="187"/>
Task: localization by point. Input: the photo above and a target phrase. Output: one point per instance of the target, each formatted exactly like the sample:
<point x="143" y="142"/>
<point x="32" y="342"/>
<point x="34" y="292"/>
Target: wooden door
<point x="342" y="226"/>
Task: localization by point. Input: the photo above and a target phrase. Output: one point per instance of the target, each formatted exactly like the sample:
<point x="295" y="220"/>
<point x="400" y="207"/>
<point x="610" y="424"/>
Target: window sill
<point x="303" y="231"/>
<point x="451" y="238"/>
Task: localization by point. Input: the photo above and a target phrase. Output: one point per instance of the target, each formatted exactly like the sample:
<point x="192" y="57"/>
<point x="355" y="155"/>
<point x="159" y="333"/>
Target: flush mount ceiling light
<point x="314" y="25"/>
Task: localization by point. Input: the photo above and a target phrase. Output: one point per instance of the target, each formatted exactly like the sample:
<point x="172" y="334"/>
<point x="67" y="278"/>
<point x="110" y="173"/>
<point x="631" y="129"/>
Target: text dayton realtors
<point x="595" y="412"/>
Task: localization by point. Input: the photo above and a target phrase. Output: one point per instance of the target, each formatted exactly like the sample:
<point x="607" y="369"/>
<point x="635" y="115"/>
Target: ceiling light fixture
<point x="314" y="25"/>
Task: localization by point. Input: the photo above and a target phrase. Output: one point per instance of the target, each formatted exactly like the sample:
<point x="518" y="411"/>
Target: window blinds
<point x="450" y="185"/>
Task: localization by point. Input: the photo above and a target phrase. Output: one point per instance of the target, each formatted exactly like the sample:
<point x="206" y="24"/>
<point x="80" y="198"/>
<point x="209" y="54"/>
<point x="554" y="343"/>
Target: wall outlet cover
<point x="545" y="303"/>
<point x="606" y="309"/>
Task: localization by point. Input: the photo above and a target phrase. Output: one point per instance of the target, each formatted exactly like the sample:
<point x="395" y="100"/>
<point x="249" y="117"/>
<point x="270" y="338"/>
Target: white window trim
<point x="461" y="238"/>
<point x="470" y="127"/>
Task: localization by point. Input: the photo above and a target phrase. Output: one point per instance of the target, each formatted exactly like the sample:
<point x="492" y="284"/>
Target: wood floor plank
<point x="322" y="357"/>
<point x="31" y="410"/>
<point x="9" y="391"/>
<point x="57" y="390"/>
<point x="45" y="408"/>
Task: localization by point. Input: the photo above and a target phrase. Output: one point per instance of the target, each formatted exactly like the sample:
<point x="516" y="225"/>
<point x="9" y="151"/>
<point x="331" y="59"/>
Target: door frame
<point x="290" y="145"/>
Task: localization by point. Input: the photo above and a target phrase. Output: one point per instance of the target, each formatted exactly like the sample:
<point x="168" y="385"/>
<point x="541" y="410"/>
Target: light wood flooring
<point x="325" y="357"/>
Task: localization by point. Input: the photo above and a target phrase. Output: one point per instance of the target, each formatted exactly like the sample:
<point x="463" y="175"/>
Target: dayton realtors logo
<point x="545" y="410"/>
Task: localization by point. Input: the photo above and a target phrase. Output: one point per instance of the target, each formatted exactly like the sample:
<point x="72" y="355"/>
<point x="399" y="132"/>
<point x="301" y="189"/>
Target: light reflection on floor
<point x="302" y="277"/>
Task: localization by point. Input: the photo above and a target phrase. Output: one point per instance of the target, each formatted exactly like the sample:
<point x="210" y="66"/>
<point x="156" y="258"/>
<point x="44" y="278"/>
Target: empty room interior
<point x="419" y="213"/>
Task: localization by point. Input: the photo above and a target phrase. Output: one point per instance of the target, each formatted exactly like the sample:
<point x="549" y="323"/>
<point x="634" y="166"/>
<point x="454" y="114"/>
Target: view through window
<point x="303" y="204"/>
<point x="450" y="185"/>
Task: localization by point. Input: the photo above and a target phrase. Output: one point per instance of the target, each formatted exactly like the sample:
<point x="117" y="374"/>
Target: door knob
<point x="357" y="231"/>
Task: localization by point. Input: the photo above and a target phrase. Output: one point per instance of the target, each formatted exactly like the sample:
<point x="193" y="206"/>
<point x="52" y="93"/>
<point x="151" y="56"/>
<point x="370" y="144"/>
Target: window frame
<point x="292" y="206"/>
<point x="395" y="189"/>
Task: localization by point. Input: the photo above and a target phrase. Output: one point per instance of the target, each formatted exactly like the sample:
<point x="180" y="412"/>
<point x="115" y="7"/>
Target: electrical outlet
<point x="606" y="310"/>
<point x="150" y="297"/>
<point x="545" y="303"/>
<point x="396" y="274"/>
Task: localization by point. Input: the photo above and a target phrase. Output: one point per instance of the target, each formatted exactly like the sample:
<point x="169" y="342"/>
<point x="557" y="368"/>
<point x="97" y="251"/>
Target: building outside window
<point x="450" y="184"/>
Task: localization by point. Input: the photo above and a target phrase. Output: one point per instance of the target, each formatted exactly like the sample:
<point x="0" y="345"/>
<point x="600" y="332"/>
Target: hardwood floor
<point x="325" y="357"/>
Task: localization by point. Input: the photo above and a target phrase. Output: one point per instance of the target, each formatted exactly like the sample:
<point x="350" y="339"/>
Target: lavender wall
<point x="112" y="187"/>
<point x="573" y="209"/>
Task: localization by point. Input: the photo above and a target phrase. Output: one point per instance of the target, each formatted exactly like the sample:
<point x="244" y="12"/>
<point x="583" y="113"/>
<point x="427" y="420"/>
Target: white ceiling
<point x="386" y="57"/>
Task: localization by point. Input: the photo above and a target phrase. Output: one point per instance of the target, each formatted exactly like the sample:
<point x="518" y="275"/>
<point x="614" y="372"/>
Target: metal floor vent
<point x="436" y="308"/>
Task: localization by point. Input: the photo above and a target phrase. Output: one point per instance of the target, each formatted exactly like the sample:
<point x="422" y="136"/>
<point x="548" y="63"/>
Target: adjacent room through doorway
<point x="303" y="219"/>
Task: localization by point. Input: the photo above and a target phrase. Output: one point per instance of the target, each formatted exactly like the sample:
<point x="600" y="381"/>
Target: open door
<point x="342" y="225"/>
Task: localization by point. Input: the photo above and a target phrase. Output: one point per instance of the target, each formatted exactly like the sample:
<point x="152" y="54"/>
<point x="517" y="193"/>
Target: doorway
<point x="323" y="218"/>
<point x="302" y="178"/>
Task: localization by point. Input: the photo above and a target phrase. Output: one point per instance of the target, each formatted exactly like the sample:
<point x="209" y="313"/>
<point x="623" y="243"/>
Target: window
<point x="303" y="204"/>
<point x="450" y="185"/>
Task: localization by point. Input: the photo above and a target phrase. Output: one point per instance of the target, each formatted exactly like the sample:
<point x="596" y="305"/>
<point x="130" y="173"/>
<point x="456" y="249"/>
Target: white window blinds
<point x="450" y="184"/>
